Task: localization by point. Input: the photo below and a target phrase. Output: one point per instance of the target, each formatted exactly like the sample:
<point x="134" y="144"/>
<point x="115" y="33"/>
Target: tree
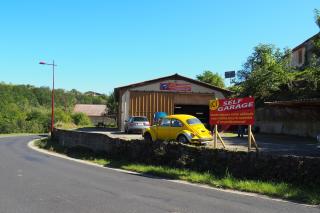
<point x="25" y="108"/>
<point x="265" y="73"/>
<point x="317" y="17"/>
<point x="316" y="40"/>
<point x="211" y="78"/>
<point x="112" y="104"/>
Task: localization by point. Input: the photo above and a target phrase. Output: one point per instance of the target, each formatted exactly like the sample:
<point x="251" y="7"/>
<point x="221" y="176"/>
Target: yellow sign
<point x="214" y="104"/>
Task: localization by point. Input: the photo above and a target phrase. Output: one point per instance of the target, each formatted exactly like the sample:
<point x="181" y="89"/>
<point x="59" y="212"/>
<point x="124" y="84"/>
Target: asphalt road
<point x="32" y="182"/>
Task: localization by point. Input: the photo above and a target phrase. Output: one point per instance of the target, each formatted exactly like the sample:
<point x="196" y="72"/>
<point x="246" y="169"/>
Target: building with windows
<point x="301" y="54"/>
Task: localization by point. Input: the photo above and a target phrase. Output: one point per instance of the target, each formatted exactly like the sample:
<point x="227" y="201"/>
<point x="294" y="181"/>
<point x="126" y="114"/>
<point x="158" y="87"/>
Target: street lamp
<point x="52" y="96"/>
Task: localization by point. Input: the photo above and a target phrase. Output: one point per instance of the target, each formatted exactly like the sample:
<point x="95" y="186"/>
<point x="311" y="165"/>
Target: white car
<point x="136" y="124"/>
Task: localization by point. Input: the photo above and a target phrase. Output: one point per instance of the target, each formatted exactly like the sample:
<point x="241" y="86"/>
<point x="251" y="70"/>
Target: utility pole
<point x="52" y="94"/>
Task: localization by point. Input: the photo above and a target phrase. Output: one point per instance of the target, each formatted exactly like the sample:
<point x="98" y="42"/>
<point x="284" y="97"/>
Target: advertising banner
<point x="172" y="86"/>
<point x="234" y="111"/>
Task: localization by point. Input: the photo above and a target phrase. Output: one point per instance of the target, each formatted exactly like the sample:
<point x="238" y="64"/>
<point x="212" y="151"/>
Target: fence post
<point x="249" y="138"/>
<point x="215" y="136"/>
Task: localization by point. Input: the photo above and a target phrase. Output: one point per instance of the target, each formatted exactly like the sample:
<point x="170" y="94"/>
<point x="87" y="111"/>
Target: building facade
<point x="96" y="112"/>
<point x="302" y="54"/>
<point x="173" y="94"/>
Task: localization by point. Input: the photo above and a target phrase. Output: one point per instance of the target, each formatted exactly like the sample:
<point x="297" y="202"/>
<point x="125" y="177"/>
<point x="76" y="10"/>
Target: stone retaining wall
<point x="300" y="121"/>
<point x="293" y="169"/>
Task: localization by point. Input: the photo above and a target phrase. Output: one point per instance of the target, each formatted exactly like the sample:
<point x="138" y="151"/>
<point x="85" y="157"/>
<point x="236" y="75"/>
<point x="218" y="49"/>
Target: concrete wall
<point x="125" y="105"/>
<point x="300" y="170"/>
<point x="287" y="120"/>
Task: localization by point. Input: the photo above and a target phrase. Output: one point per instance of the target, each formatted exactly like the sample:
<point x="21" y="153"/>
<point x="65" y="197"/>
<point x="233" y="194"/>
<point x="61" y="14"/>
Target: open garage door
<point x="199" y="111"/>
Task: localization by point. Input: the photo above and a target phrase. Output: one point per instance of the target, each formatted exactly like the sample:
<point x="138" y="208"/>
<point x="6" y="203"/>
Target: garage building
<point x="173" y="94"/>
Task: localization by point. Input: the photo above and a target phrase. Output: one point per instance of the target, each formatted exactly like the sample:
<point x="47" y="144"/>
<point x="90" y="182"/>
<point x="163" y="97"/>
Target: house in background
<point x="301" y="54"/>
<point x="92" y="93"/>
<point x="96" y="112"/>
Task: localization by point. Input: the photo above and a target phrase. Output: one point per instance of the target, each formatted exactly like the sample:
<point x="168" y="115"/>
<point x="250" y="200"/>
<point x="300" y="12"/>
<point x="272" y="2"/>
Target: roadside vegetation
<point x="300" y="193"/>
<point x="16" y="134"/>
<point x="27" y="109"/>
<point x="268" y="74"/>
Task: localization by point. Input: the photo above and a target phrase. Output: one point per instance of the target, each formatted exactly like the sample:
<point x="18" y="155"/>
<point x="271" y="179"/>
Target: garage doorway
<point x="199" y="111"/>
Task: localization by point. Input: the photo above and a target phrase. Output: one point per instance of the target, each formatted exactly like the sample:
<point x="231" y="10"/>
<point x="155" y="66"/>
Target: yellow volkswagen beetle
<point x="181" y="128"/>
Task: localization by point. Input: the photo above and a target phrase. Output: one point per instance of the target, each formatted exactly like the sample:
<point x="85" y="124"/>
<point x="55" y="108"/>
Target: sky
<point x="102" y="44"/>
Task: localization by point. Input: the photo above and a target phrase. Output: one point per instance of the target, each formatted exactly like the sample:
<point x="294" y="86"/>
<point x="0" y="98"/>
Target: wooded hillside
<point x="25" y="108"/>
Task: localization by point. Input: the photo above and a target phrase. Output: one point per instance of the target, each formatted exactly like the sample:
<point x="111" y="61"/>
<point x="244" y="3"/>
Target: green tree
<point x="265" y="73"/>
<point x="316" y="40"/>
<point x="211" y="78"/>
<point x="317" y="17"/>
<point x="112" y="104"/>
<point x="25" y="108"/>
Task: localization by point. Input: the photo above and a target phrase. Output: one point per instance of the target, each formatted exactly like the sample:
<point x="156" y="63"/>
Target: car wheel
<point x="182" y="139"/>
<point x="147" y="137"/>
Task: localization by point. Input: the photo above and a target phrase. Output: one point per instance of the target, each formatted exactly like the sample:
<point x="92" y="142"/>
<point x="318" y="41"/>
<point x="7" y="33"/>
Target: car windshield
<point x="140" y="119"/>
<point x="192" y="121"/>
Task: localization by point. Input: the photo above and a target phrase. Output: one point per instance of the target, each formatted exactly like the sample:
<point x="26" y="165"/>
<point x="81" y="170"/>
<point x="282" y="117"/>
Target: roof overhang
<point x="170" y="77"/>
<point x="296" y="103"/>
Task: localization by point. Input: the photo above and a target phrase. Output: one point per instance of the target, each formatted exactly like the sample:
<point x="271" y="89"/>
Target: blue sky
<point x="100" y="44"/>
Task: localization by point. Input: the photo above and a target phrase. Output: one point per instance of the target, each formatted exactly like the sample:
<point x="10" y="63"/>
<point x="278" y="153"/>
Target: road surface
<point x="32" y="182"/>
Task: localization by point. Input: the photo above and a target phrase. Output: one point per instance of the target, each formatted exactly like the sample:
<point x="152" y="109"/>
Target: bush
<point x="62" y="116"/>
<point x="38" y="120"/>
<point x="81" y="119"/>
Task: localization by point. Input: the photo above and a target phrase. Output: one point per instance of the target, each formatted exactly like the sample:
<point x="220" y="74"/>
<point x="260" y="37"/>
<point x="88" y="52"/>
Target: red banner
<point x="171" y="86"/>
<point x="238" y="111"/>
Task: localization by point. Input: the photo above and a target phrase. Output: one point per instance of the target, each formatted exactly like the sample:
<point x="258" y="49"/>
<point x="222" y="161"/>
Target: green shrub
<point x="38" y="120"/>
<point x="62" y="116"/>
<point x="81" y="119"/>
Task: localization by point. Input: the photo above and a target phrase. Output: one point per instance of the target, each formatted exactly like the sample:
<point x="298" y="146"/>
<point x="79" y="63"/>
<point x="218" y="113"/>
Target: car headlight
<point x="192" y="135"/>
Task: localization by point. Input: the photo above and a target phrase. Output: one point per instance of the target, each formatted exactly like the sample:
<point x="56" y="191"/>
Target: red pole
<point x="52" y="100"/>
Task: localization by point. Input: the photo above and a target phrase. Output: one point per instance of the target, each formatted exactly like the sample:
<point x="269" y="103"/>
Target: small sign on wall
<point x="172" y="86"/>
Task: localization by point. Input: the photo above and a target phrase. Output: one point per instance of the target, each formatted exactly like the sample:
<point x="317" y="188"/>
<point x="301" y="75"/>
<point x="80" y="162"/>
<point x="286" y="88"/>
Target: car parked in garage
<point x="136" y="124"/>
<point x="181" y="128"/>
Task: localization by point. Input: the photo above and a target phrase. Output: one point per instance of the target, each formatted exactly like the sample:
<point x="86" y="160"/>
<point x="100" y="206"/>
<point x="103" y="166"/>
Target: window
<point x="140" y="119"/>
<point x="193" y="121"/>
<point x="165" y="122"/>
<point x="176" y="123"/>
<point x="300" y="56"/>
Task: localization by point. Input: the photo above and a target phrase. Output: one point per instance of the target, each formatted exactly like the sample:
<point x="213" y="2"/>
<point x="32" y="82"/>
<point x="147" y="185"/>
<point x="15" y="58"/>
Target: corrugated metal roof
<point x="300" y="102"/>
<point x="91" y="109"/>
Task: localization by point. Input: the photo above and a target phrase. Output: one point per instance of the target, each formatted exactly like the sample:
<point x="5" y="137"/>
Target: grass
<point x="17" y="134"/>
<point x="304" y="194"/>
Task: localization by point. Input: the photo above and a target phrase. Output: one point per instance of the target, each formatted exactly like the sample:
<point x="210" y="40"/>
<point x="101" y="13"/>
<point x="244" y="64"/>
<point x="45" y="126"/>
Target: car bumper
<point x="201" y="140"/>
<point x="138" y="128"/>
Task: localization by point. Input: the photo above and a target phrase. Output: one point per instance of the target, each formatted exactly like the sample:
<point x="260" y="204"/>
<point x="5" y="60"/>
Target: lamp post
<point x="52" y="95"/>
